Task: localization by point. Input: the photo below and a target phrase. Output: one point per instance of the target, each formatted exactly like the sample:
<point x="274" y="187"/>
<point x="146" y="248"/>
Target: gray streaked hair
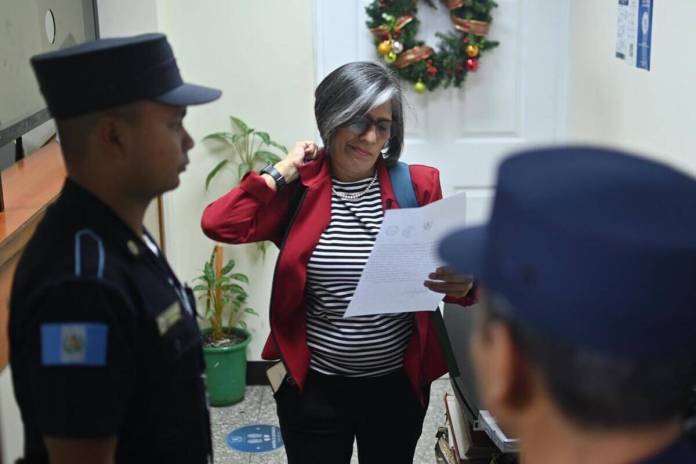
<point x="353" y="90"/>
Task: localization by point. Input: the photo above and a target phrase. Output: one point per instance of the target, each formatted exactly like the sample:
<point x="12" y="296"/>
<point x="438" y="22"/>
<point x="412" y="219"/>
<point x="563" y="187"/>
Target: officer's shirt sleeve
<point x="80" y="358"/>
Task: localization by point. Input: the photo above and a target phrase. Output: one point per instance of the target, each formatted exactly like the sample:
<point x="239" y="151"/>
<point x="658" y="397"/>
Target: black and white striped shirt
<point x="362" y="346"/>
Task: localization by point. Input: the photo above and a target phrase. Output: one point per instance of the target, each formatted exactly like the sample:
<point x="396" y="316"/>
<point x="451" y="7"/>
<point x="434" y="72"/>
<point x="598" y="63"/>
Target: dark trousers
<point x="319" y="425"/>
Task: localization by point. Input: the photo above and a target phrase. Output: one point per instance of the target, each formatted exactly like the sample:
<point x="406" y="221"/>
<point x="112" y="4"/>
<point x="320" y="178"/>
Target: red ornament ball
<point x="472" y="64"/>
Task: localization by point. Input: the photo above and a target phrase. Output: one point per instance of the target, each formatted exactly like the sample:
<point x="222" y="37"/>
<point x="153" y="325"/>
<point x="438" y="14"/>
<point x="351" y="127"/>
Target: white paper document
<point x="405" y="252"/>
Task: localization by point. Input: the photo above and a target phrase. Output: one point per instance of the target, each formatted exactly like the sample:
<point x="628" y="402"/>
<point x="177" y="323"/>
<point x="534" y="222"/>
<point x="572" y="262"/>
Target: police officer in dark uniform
<point x="585" y="348"/>
<point x="105" y="349"/>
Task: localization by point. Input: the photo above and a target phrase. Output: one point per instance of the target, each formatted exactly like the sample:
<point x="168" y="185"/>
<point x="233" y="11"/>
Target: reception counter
<point x="29" y="186"/>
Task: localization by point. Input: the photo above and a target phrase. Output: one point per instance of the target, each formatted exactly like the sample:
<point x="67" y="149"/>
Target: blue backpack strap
<point x="403" y="187"/>
<point x="406" y="198"/>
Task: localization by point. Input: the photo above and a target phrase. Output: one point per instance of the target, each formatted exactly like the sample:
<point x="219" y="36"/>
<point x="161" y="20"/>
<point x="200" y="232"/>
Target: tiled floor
<point x="258" y="407"/>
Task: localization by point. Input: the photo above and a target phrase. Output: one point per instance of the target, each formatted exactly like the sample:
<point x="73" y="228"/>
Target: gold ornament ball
<point x="472" y="51"/>
<point x="390" y="57"/>
<point x="419" y="87"/>
<point x="384" y="48"/>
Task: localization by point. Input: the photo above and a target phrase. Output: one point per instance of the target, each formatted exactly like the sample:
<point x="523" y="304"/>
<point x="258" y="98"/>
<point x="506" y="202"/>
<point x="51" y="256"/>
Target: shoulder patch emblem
<point x="74" y="344"/>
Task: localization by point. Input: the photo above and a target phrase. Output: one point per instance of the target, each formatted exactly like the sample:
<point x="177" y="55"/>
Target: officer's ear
<point x="516" y="378"/>
<point x="108" y="135"/>
<point x="112" y="134"/>
<point x="507" y="382"/>
<point x="493" y="356"/>
<point x="118" y="129"/>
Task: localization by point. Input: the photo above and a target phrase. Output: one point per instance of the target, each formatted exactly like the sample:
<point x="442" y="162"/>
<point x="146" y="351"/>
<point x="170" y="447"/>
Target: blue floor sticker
<point x="255" y="438"/>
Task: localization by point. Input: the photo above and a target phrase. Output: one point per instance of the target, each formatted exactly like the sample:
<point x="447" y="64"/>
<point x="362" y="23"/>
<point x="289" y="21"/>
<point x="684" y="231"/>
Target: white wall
<point x="611" y="103"/>
<point x="10" y="420"/>
<point x="126" y="17"/>
<point x="261" y="55"/>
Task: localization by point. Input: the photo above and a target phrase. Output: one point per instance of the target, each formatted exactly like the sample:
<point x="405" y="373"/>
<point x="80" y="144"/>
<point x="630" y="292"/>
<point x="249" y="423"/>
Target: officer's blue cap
<point x="592" y="247"/>
<point x="105" y="73"/>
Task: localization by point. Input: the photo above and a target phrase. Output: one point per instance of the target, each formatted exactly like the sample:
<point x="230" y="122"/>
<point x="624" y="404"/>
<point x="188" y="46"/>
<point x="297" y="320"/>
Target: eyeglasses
<point x="361" y="125"/>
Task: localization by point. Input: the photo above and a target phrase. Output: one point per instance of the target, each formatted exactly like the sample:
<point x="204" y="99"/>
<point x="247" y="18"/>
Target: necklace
<point x="356" y="195"/>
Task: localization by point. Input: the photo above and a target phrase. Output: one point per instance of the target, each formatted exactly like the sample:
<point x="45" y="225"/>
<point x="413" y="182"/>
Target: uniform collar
<point x="680" y="451"/>
<point x="86" y="204"/>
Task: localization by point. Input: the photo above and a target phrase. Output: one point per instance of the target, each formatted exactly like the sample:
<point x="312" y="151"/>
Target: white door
<point x="516" y="98"/>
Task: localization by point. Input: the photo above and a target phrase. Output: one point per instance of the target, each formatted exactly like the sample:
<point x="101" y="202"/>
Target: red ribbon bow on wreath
<point x="413" y="55"/>
<point x="471" y="26"/>
<point x="384" y="31"/>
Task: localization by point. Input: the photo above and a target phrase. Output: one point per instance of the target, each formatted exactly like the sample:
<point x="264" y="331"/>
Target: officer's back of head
<point x="585" y="346"/>
<point x="119" y="105"/>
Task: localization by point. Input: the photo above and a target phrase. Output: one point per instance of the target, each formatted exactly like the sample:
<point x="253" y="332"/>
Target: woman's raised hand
<point x="298" y="155"/>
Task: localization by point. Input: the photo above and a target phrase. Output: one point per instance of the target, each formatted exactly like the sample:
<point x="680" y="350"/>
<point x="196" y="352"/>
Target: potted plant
<point x="249" y="149"/>
<point x="247" y="146"/>
<point x="225" y="342"/>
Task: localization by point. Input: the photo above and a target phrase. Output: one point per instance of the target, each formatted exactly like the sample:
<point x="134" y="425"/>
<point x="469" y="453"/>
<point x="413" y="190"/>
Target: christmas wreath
<point x="394" y="25"/>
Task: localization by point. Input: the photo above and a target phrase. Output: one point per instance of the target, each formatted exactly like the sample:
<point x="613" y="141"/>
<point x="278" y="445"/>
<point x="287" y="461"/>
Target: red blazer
<point x="253" y="212"/>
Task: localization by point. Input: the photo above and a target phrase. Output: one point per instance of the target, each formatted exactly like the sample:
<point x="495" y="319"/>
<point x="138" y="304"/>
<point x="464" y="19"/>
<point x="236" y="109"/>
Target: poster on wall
<point x="634" y="32"/>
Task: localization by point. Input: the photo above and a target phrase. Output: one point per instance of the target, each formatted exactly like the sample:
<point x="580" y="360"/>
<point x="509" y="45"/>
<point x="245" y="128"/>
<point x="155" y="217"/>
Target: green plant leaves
<point x="243" y="169"/>
<point x="234" y="288"/>
<point x="228" y="267"/>
<point x="261" y="247"/>
<point x="227" y="137"/>
<point x="240" y="277"/>
<point x="214" y="172"/>
<point x="224" y="137"/>
<point x="225" y="301"/>
<point x="266" y="157"/>
<point x="240" y="124"/>
<point x="263" y="136"/>
<point x="241" y="149"/>
<point x="278" y="146"/>
<point x="208" y="272"/>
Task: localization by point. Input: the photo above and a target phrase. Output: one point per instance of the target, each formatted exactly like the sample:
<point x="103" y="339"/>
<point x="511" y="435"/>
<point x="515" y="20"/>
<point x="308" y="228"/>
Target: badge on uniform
<point x="169" y="317"/>
<point x="74" y="344"/>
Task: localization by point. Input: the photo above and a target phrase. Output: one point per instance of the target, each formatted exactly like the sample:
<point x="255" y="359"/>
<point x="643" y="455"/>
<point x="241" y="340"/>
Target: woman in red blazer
<point x="365" y="378"/>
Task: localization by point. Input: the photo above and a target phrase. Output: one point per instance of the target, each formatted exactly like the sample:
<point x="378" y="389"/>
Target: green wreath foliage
<point x="450" y="63"/>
